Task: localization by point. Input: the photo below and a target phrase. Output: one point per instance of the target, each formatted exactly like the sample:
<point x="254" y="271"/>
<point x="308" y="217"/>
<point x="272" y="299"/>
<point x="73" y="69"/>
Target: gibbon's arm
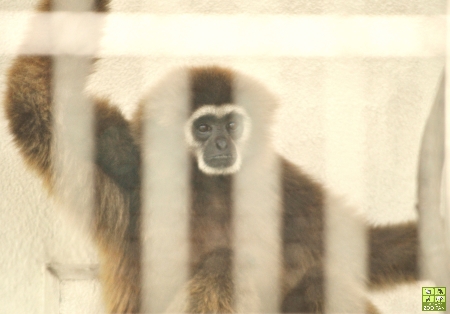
<point x="28" y="107"/>
<point x="394" y="252"/>
<point x="116" y="151"/>
<point x="393" y="259"/>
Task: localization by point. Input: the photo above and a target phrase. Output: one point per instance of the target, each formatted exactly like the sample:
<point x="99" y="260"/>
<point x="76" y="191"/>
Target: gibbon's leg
<point x="393" y="254"/>
<point x="211" y="288"/>
<point x="393" y="258"/>
<point x="308" y="295"/>
<point x="28" y="107"/>
<point x="29" y="111"/>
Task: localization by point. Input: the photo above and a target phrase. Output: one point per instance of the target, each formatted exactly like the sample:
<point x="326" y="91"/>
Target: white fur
<point x="217" y="171"/>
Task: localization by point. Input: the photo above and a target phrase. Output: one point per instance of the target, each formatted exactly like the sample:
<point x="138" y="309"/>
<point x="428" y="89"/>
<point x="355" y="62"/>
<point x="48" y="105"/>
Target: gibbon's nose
<point x="221" y="143"/>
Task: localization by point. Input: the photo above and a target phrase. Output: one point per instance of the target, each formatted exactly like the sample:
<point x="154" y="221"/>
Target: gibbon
<point x="217" y="130"/>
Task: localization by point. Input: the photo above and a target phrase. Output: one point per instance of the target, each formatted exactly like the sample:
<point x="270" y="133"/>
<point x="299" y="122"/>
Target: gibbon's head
<point x="216" y="135"/>
<point x="226" y="116"/>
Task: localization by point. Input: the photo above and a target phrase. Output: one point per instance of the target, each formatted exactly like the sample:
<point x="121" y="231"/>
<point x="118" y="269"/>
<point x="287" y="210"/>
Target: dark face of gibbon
<point x="215" y="135"/>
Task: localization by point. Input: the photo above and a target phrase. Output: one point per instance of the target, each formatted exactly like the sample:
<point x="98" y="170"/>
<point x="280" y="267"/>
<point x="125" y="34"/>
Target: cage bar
<point x="257" y="215"/>
<point x="73" y="141"/>
<point x="142" y="34"/>
<point x="165" y="192"/>
<point x="433" y="221"/>
<point x="345" y="233"/>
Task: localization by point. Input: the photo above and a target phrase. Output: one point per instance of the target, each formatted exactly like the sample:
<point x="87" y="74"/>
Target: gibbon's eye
<point x="203" y="128"/>
<point x="232" y="126"/>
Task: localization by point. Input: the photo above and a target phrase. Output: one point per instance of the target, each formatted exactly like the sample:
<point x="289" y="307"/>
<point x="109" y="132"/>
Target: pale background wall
<point x="373" y="108"/>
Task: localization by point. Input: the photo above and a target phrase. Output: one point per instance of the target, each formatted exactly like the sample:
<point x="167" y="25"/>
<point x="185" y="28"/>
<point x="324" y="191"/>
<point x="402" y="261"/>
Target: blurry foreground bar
<point x="72" y="142"/>
<point x="222" y="35"/>
<point x="73" y="122"/>
<point x="432" y="195"/>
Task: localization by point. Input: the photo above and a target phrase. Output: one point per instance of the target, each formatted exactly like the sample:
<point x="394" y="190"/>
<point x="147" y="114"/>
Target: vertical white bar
<point x="446" y="182"/>
<point x="431" y="222"/>
<point x="345" y="234"/>
<point x="165" y="210"/>
<point x="73" y="120"/>
<point x="257" y="214"/>
<point x="73" y="135"/>
<point x="345" y="258"/>
<point x="447" y="136"/>
<point x="73" y="140"/>
<point x="432" y="193"/>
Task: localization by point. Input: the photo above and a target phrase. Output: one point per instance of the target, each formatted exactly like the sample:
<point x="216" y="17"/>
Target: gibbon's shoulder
<point x="301" y="193"/>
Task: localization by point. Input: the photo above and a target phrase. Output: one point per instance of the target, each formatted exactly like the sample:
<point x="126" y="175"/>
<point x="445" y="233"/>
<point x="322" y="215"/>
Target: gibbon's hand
<point x="308" y="295"/>
<point x="118" y="156"/>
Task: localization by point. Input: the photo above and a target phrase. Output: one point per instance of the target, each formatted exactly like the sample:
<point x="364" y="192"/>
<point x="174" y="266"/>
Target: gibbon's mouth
<point x="221" y="161"/>
<point x="221" y="157"/>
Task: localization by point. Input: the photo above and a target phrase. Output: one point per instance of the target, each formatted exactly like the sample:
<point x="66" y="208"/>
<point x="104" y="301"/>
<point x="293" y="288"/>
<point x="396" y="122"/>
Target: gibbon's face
<point x="216" y="134"/>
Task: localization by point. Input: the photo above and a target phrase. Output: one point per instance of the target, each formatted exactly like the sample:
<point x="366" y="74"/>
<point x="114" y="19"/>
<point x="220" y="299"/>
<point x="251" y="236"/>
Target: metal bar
<point x="345" y="232"/>
<point x="257" y="215"/>
<point x="223" y="35"/>
<point x="165" y="192"/>
<point x="73" y="141"/>
<point x="345" y="259"/>
<point x="432" y="222"/>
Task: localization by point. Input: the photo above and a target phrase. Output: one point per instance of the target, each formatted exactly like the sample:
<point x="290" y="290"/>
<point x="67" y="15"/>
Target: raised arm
<point x="28" y="110"/>
<point x="115" y="215"/>
<point x="28" y="107"/>
<point x="393" y="255"/>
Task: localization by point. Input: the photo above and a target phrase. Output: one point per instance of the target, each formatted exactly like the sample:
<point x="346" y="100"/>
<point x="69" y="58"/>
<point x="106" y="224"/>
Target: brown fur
<point x="211" y="86"/>
<point x="210" y="214"/>
<point x="28" y="108"/>
<point x="302" y="224"/>
<point x="99" y="5"/>
<point x="211" y="288"/>
<point x="28" y="105"/>
<point x="393" y="254"/>
<point x="29" y="86"/>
